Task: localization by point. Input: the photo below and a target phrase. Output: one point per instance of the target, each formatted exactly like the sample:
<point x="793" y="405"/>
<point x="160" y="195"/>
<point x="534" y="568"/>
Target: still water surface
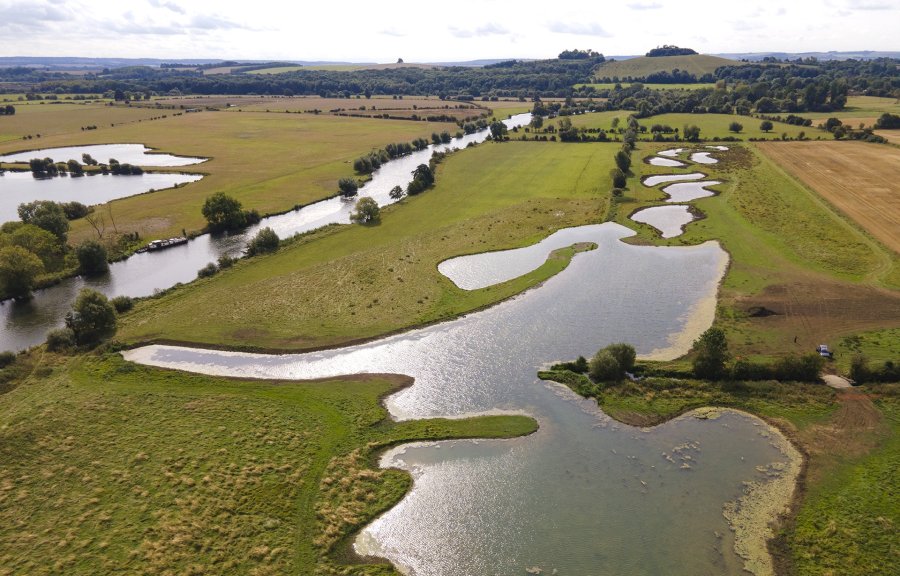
<point x="19" y="187"/>
<point x="669" y="220"/>
<point x="137" y="154"/>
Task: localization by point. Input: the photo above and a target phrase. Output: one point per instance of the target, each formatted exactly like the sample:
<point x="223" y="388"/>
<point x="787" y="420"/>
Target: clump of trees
<point x="8" y="110"/>
<point x="862" y="373"/>
<point x="366" y="211"/>
<point x="423" y="179"/>
<point x="887" y="121"/>
<point x="19" y="269"/>
<point x="670" y="50"/>
<point x="225" y="213"/>
<point x="265" y="241"/>
<point x="91" y="319"/>
<point x="92" y="258"/>
<point x="610" y="364"/>
<point x="348" y="187"/>
<point x="577" y="54"/>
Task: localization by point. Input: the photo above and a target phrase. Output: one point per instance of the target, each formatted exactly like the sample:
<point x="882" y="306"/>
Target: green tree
<point x="47" y="215"/>
<point x="735" y="127"/>
<point x="604" y="367"/>
<point x="348" y="187"/>
<point x="766" y="126"/>
<point x="710" y="354"/>
<point x="18" y="270"/>
<point x="537" y="121"/>
<point x="396" y="193"/>
<point x="38" y="241"/>
<point x="498" y="131"/>
<point x="266" y="240"/>
<point x="618" y="178"/>
<point x="91" y="258"/>
<point x="223" y="213"/>
<point x="366" y="211"/>
<point x="691" y="133"/>
<point x="92" y="318"/>
<point x="423" y="178"/>
<point x="623" y="161"/>
<point x="624" y="354"/>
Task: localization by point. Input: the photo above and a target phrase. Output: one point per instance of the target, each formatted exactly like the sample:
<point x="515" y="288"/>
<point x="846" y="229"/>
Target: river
<point x="27" y="323"/>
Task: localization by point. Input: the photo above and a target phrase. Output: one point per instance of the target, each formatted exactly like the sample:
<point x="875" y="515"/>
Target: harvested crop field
<point x="862" y="180"/>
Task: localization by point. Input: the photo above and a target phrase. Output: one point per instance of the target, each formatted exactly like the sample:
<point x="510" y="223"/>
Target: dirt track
<point x="862" y="180"/>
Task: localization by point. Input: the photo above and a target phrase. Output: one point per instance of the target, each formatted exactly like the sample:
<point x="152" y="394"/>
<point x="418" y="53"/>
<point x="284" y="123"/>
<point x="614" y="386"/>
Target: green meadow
<point x="108" y="467"/>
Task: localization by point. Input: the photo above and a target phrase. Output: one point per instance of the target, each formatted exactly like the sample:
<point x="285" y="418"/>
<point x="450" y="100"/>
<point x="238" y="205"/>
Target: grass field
<point x="696" y="64"/>
<point x="358" y="282"/>
<point x="270" y="162"/>
<point x="859" y="110"/>
<point x="611" y="85"/>
<point x="65" y="118"/>
<point x="711" y="125"/>
<point x="861" y="180"/>
<point x="109" y="467"/>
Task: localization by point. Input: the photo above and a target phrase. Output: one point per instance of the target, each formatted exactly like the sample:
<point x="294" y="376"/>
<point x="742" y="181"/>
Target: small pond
<point x="668" y="162"/>
<point x="687" y="191"/>
<point x="669" y="220"/>
<point x="651" y="181"/>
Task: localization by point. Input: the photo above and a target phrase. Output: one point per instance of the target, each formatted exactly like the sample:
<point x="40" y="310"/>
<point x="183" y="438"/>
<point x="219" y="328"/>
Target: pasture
<point x="356" y="282"/>
<point x="859" y="110"/>
<point x="711" y="125"/>
<point x="861" y="180"/>
<point x="109" y="467"/>
<point x="64" y="118"/>
<point x="696" y="64"/>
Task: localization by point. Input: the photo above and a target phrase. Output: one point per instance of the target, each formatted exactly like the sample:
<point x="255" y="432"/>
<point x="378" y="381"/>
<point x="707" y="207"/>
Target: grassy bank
<point x="108" y="467"/>
<point x="355" y="282"/>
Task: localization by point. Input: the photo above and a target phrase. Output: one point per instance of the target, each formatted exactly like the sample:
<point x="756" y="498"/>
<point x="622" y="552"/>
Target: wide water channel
<point x="25" y="324"/>
<point x="584" y="495"/>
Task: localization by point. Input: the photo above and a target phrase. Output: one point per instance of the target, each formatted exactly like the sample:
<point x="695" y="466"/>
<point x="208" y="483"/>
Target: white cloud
<point x="168" y="5"/>
<point x="489" y="29"/>
<point x="645" y="6"/>
<point x="578" y="29"/>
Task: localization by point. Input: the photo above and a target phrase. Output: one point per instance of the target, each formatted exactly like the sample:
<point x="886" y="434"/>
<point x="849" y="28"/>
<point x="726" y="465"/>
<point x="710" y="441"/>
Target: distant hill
<point x="860" y="55"/>
<point x="640" y="67"/>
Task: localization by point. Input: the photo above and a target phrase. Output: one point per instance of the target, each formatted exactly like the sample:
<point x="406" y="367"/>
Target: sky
<point x="426" y="31"/>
